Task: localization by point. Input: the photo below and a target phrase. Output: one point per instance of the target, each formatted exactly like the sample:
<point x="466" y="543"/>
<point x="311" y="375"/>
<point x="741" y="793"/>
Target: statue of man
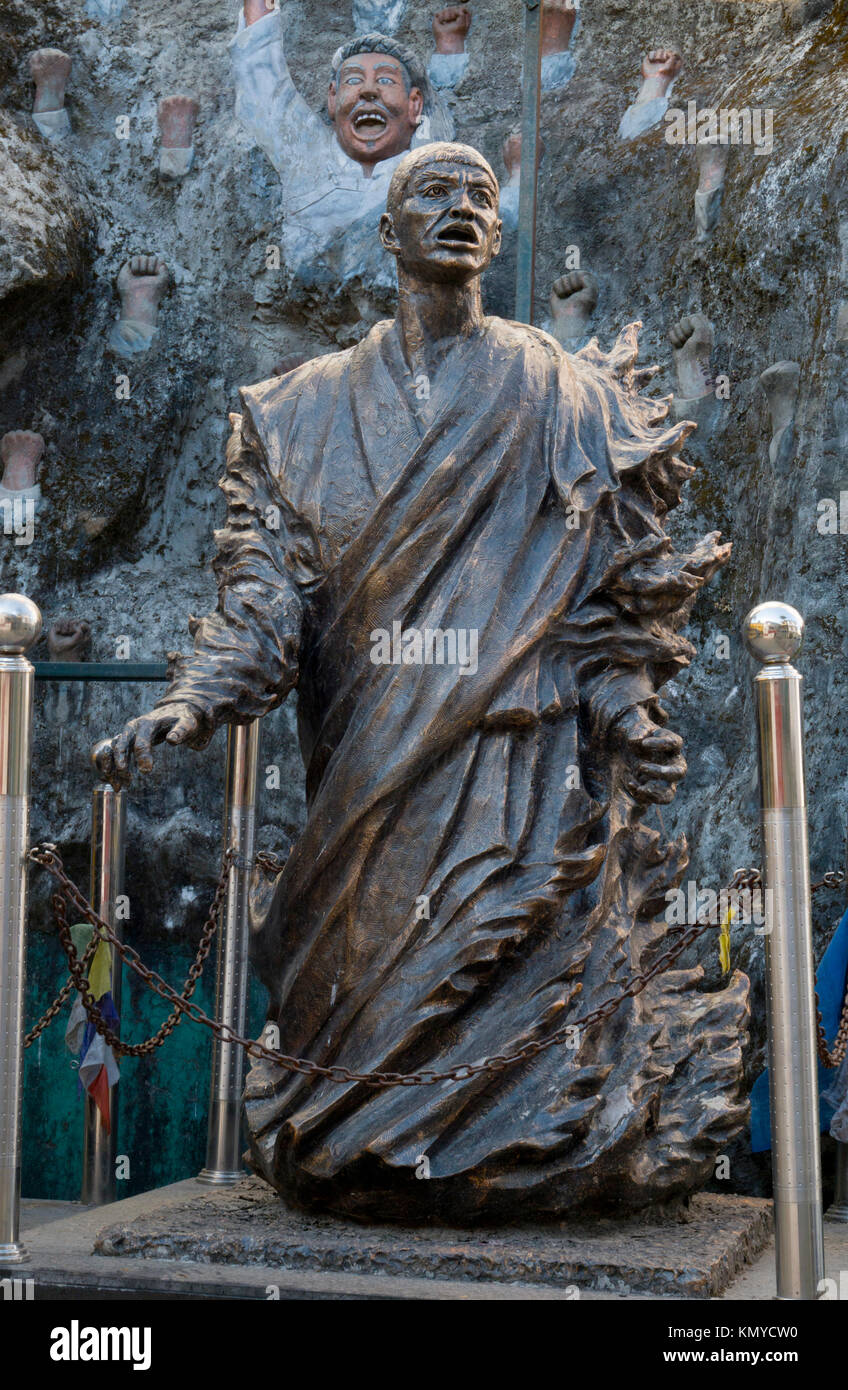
<point x="450" y="539"/>
<point x="333" y="177"/>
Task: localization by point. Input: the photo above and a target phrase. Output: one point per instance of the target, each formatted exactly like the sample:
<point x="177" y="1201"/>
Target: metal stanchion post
<point x="774" y="632"/>
<point x="838" y="1210"/>
<point x="527" y="198"/>
<point x="20" y="627"/>
<point x="223" y="1150"/>
<point x="108" y="827"/>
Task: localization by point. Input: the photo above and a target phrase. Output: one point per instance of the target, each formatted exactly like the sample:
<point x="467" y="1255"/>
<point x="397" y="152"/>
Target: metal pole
<point x="20" y="627"/>
<point x="108" y="827"/>
<point x="530" y="97"/>
<point x="223" y="1149"/>
<point x="774" y="633"/>
<point x="838" y="1210"/>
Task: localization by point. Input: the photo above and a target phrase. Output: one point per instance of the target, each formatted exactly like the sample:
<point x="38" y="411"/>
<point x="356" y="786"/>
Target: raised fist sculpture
<point x="449" y="63"/>
<point x="177" y="116"/>
<point x="692" y="339"/>
<point x="659" y="70"/>
<point x="574" y="297"/>
<point x="142" y="283"/>
<point x="68" y="639"/>
<point x="21" y="451"/>
<point x="50" y="69"/>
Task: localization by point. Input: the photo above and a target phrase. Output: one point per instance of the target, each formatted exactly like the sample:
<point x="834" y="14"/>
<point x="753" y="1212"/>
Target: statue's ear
<point x="332" y="97"/>
<point x="388" y="235"/>
<point x="416" y="105"/>
<point x="497" y="240"/>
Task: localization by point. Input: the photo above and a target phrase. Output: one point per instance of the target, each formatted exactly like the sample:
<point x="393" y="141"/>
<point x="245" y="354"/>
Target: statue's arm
<point x="645" y="597"/>
<point x="245" y="657"/>
<point x="268" y="104"/>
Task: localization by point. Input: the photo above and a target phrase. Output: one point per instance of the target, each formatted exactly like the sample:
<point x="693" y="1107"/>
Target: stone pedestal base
<point x="693" y="1252"/>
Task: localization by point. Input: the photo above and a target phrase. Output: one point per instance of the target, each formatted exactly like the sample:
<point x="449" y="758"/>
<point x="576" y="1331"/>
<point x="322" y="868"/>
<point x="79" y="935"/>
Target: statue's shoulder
<point x="305" y="379"/>
<point x="308" y="382"/>
<point x="523" y="337"/>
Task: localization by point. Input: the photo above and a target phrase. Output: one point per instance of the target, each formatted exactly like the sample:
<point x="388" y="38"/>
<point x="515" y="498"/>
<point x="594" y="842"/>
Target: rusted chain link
<point x="78" y="965"/>
<point x="62" y="997"/>
<point x="834" y="879"/>
<point x="49" y="858"/>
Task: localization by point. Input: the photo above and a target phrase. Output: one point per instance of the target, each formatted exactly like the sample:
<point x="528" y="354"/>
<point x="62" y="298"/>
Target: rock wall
<point x="123" y="534"/>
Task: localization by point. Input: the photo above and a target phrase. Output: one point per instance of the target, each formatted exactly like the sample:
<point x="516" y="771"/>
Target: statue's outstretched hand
<point x="651" y="755"/>
<point x="170" y="723"/>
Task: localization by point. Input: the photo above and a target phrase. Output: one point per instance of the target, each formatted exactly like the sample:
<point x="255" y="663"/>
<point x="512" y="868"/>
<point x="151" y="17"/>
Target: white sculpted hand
<point x="141" y="284"/>
<point x="662" y="62"/>
<point x="450" y="27"/>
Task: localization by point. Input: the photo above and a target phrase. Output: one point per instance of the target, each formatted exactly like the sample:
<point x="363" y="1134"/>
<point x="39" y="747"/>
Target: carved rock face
<point x="384" y="16"/>
<point x="43" y="221"/>
<point x="374" y="113"/>
<point x="289" y="363"/>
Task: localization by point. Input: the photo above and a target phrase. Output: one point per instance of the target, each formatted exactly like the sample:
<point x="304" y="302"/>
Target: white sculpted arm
<point x="268" y="104"/>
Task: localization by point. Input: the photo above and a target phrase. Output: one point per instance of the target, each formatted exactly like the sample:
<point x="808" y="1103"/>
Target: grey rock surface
<point x="44" y="223"/>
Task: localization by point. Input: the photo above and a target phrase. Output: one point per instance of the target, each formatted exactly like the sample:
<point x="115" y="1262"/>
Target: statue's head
<point x="376" y="98"/>
<point x="441" y="219"/>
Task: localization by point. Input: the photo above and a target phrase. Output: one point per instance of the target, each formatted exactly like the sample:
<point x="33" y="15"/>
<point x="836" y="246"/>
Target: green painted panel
<point x="163" y="1098"/>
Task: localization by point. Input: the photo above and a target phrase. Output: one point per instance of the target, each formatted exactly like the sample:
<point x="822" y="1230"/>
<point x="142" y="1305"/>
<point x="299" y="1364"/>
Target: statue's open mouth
<point x="458" y="234"/>
<point x="370" y="123"/>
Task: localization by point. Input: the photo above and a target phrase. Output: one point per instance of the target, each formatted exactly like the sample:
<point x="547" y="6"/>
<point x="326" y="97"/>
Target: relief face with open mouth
<point x="374" y="108"/>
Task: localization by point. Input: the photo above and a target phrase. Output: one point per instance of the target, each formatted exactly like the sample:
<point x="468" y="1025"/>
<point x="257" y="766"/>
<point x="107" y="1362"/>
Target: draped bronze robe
<point x="471" y="874"/>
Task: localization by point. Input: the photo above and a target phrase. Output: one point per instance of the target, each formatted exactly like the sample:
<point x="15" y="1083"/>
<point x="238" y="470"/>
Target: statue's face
<point x="447" y="226"/>
<point x="374" y="114"/>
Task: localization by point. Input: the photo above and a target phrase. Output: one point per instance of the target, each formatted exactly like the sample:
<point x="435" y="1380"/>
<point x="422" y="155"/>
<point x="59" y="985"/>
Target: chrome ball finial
<point x="774" y="632"/>
<point x="20" y="624"/>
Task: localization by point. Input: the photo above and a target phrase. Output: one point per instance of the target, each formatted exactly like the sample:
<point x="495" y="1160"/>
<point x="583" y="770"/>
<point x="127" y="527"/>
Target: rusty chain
<point x="48" y="857"/>
<point x="78" y="965"/>
<point x="64" y="994"/>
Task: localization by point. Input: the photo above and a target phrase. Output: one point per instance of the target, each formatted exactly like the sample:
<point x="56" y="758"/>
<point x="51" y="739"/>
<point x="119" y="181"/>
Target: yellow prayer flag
<point x="100" y="971"/>
<point x="724" y="942"/>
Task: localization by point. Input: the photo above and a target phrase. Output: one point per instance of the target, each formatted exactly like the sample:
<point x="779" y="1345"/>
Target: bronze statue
<point x="450" y="539"/>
